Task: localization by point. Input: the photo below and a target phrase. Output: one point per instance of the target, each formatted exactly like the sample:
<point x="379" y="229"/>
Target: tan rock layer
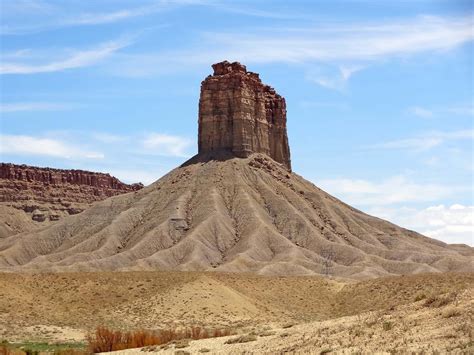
<point x="238" y="113"/>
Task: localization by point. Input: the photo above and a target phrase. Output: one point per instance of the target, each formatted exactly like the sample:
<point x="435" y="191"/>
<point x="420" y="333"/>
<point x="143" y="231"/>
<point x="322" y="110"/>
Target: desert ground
<point x="267" y="314"/>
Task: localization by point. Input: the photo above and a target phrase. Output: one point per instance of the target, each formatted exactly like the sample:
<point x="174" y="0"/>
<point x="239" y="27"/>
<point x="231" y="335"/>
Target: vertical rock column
<point x="238" y="113"/>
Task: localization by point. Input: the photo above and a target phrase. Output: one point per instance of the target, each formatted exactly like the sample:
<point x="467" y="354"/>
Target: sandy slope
<point x="65" y="306"/>
<point x="405" y="329"/>
<point x="237" y="215"/>
<point x="13" y="221"/>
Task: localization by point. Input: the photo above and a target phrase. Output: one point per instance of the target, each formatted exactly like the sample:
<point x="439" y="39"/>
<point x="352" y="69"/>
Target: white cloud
<point x="131" y="176"/>
<point x="422" y="143"/>
<point x="164" y="144"/>
<point x="77" y="59"/>
<point x="421" y="112"/>
<point x="336" y="81"/>
<point x="426" y="141"/>
<point x="462" y="110"/>
<point x="446" y="112"/>
<point x="451" y="224"/>
<point x="34" y="106"/>
<point x="108" y="138"/>
<point x="345" y="46"/>
<point x="393" y="199"/>
<point x="60" y="16"/>
<point x="28" y="145"/>
<point x="394" y="190"/>
<point x="102" y="18"/>
<point x="350" y="42"/>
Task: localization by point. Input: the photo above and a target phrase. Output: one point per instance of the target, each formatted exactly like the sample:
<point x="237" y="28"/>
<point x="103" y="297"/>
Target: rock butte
<point x="234" y="207"/>
<point x="241" y="115"/>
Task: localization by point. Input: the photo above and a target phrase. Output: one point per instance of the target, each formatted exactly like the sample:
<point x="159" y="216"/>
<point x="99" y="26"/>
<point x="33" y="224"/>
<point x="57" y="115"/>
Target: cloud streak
<point x="393" y="199"/>
<point x="336" y="81"/>
<point x="395" y="190"/>
<point x="346" y="45"/>
<point x="447" y="111"/>
<point x="39" y="146"/>
<point x="426" y="142"/>
<point x="34" y="106"/>
<point x="451" y="224"/>
<point x="59" y="16"/>
<point x="168" y="145"/>
<point x="77" y="59"/>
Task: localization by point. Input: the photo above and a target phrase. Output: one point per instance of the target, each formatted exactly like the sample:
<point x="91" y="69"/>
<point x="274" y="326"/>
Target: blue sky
<point x="379" y="93"/>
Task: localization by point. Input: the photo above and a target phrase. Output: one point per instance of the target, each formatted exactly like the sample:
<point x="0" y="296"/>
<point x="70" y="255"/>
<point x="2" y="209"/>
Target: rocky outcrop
<point x="46" y="195"/>
<point x="240" y="114"/>
<point x="104" y="183"/>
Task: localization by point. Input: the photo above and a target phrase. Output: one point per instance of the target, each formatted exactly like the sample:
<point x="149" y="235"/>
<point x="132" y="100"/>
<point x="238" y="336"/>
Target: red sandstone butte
<point x="240" y="114"/>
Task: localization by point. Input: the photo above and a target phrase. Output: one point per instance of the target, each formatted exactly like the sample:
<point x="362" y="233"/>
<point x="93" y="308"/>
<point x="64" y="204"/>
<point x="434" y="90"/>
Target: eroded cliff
<point x="240" y="114"/>
<point x="47" y="194"/>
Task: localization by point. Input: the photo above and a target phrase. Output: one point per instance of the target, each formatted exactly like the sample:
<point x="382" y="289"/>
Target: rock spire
<point x="240" y="114"/>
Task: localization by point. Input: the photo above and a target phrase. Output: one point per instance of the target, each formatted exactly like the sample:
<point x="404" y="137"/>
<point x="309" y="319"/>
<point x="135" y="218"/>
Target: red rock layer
<point x="49" y="194"/>
<point x="238" y="113"/>
<point x="51" y="176"/>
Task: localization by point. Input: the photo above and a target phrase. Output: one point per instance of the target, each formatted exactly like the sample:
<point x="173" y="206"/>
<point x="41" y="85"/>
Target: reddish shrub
<point x="105" y="340"/>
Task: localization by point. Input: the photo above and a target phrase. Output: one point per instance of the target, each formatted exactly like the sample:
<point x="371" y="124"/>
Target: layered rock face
<point x="240" y="114"/>
<point x="46" y="194"/>
<point x="105" y="184"/>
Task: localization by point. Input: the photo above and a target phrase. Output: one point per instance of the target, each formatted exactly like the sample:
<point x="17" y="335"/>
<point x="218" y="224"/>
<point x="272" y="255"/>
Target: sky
<point x="379" y="93"/>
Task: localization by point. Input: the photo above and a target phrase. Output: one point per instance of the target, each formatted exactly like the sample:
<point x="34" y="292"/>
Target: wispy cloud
<point x="451" y="224"/>
<point x="138" y="175"/>
<point x="110" y="17"/>
<point x="35" y="106"/>
<point x="351" y="42"/>
<point x="108" y="137"/>
<point x="336" y="81"/>
<point x="427" y="141"/>
<point x="346" y="46"/>
<point x="60" y="16"/>
<point x="420" y="112"/>
<point x="394" y="190"/>
<point x="443" y="112"/>
<point x="77" y="59"/>
<point x="168" y="145"/>
<point x="44" y="146"/>
<point x="400" y="200"/>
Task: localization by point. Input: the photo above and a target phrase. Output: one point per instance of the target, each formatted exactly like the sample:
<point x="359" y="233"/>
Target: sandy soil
<point x="408" y="328"/>
<point x="322" y="312"/>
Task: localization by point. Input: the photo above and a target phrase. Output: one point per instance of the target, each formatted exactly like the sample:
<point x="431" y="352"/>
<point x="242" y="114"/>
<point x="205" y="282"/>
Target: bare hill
<point x="233" y="215"/>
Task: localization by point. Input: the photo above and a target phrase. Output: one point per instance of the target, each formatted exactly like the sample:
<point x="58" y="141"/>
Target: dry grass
<point x="450" y="312"/>
<point x="105" y="340"/>
<point x="440" y="300"/>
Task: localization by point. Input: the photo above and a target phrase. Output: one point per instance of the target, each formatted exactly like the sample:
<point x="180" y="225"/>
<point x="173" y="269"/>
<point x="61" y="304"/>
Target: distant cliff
<point x="47" y="194"/>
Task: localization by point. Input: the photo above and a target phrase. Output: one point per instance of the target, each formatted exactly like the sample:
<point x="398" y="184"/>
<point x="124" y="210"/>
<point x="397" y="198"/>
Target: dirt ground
<point x="282" y="313"/>
<point x="410" y="328"/>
